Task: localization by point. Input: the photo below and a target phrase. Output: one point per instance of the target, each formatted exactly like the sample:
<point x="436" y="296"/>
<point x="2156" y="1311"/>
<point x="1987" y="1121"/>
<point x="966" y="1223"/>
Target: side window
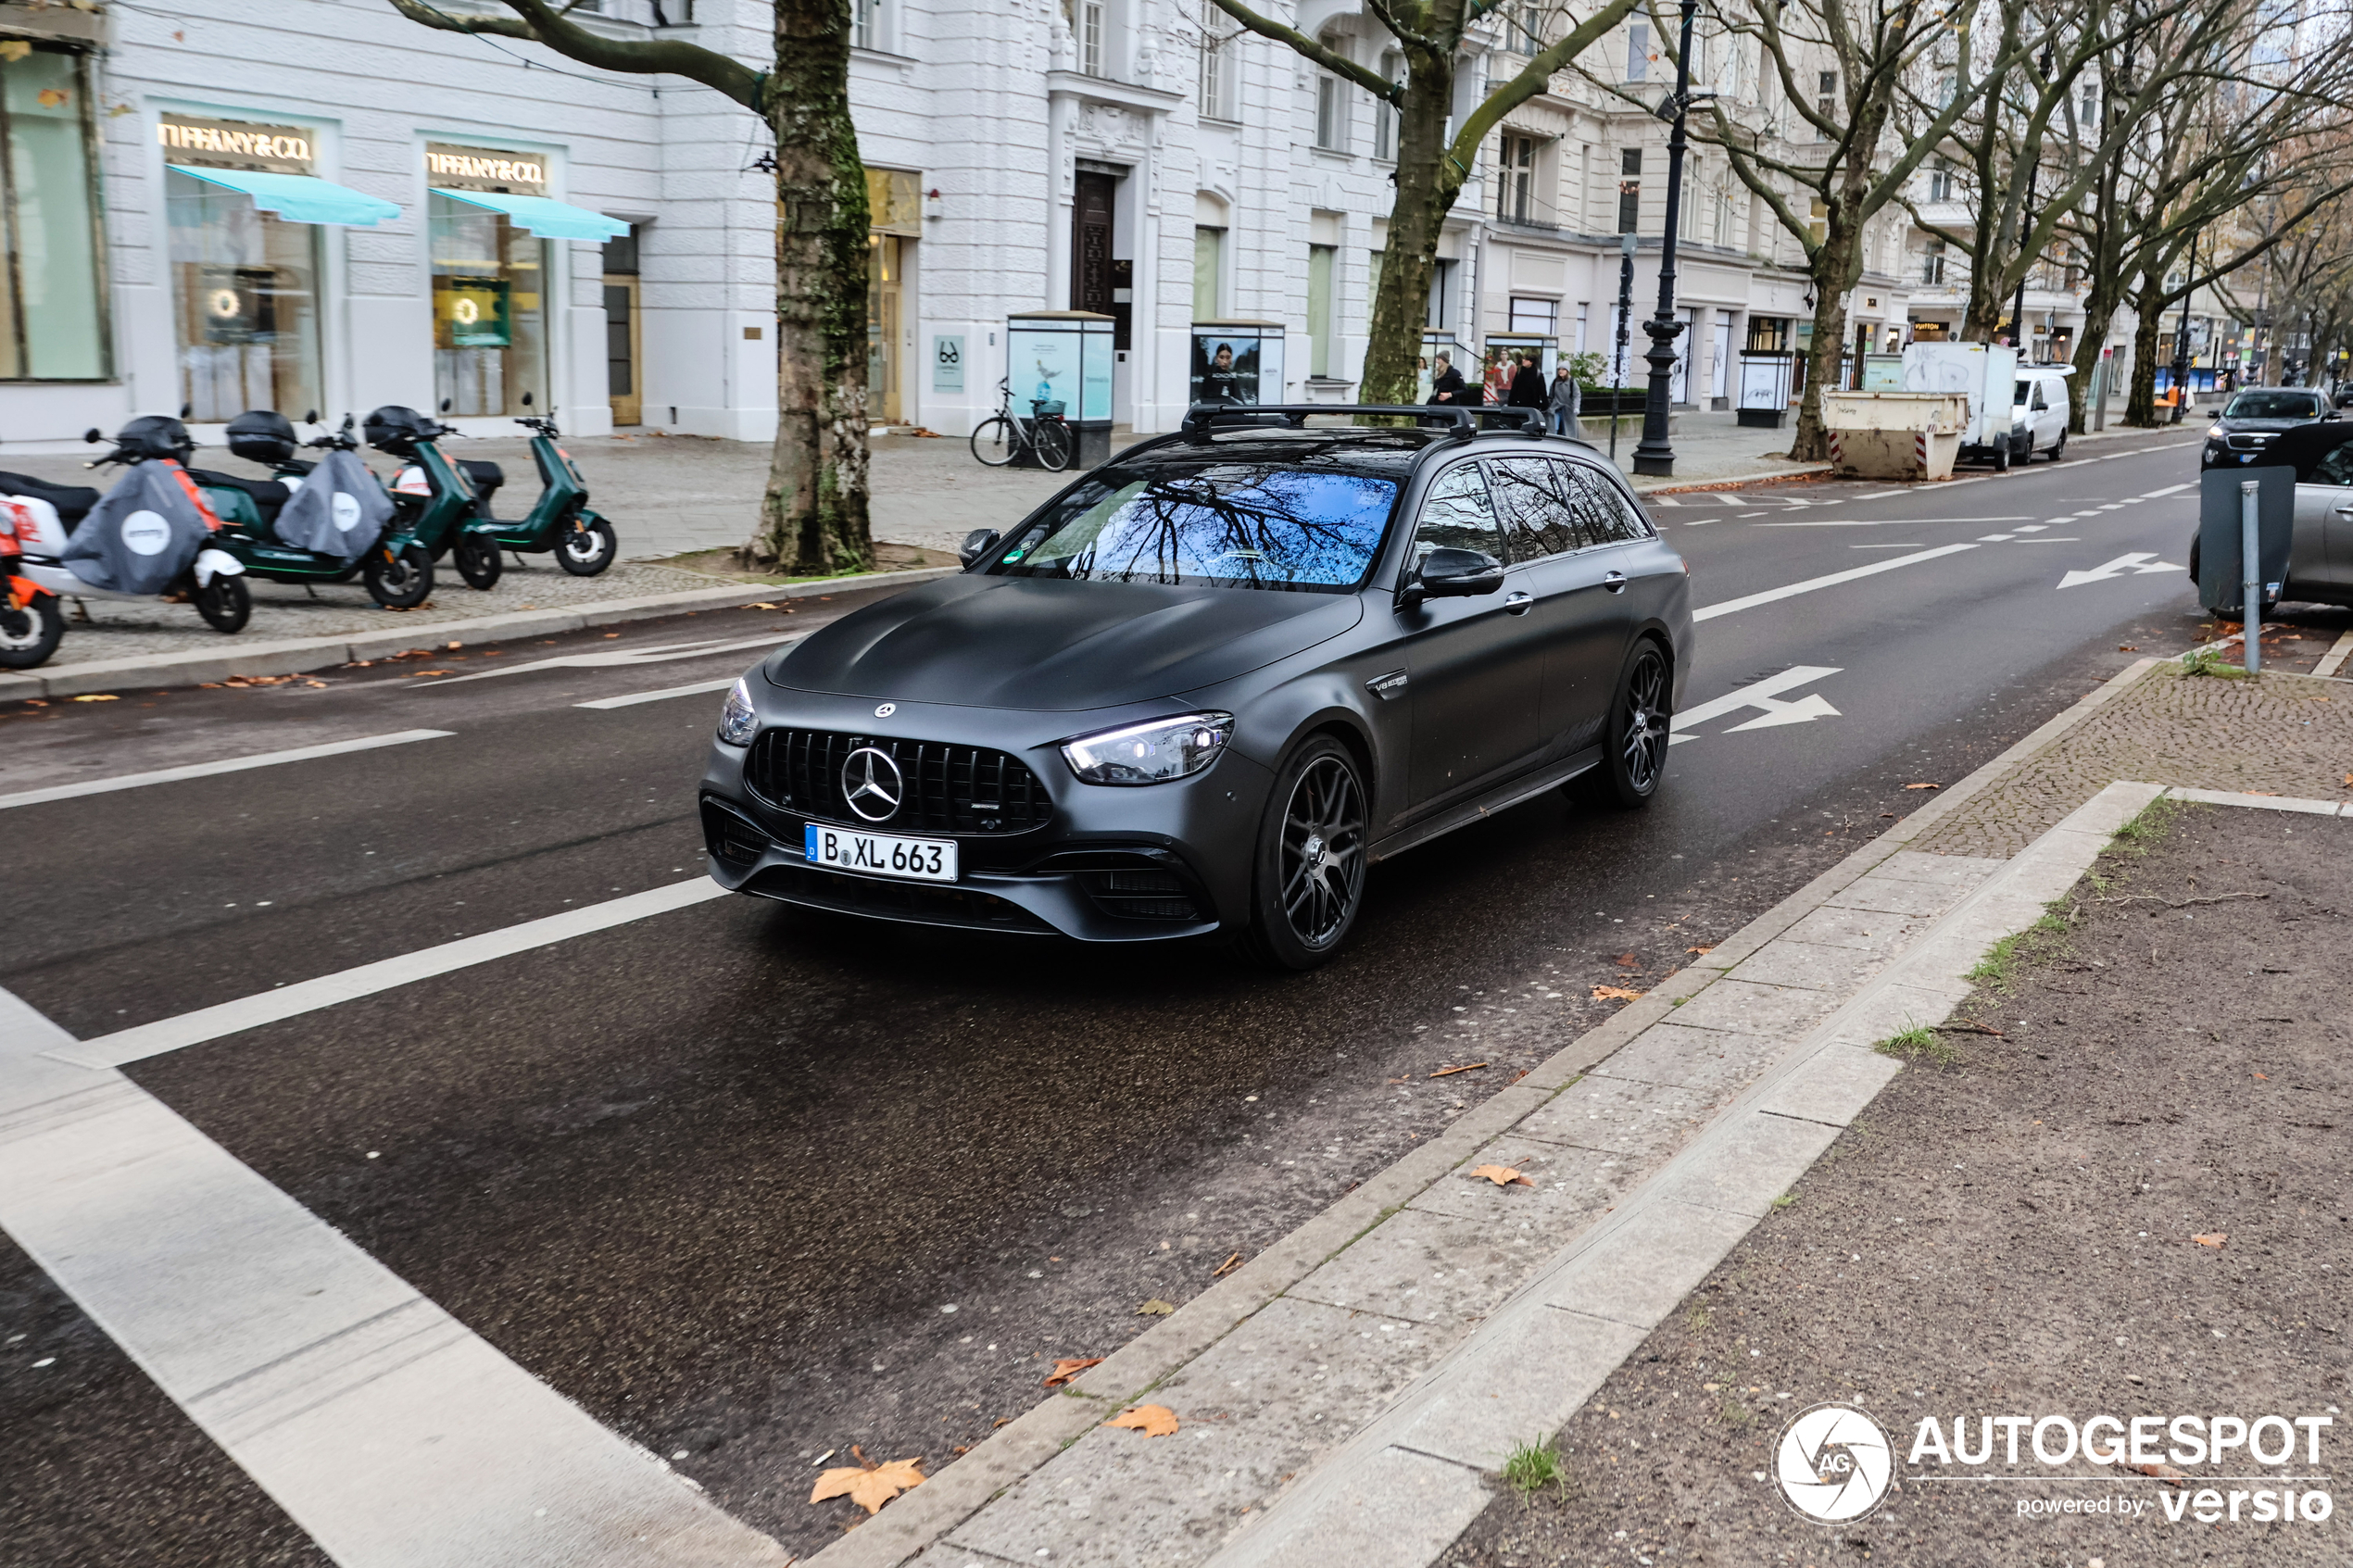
<point x="2335" y="467"/>
<point x="1457" y="515"/>
<point x="2041" y="401"/>
<point x="1603" y="516"/>
<point x="1538" y="502"/>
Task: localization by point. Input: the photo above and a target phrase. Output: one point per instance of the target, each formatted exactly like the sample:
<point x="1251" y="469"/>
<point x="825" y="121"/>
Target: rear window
<point x="1223" y="524"/>
<point x="2273" y="403"/>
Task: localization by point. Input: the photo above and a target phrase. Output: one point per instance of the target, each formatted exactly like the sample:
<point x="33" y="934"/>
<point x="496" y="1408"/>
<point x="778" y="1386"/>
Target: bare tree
<point x="1431" y="165"/>
<point x="812" y="518"/>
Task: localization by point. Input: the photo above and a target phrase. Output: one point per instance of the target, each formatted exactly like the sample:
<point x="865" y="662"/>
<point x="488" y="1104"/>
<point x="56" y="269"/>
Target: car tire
<point x="2059" y="449"/>
<point x="1636" y="735"/>
<point x="1308" y="867"/>
<point x="2002" y="458"/>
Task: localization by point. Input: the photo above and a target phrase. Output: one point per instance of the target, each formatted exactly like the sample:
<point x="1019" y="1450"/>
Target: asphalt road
<point x="718" y="1175"/>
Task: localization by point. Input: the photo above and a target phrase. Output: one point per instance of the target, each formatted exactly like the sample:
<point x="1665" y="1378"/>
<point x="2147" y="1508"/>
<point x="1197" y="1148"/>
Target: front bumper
<point x="1113" y="864"/>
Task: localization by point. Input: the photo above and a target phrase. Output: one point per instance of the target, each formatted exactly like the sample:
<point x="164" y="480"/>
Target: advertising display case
<point x="1237" y="362"/>
<point x="1059" y="361"/>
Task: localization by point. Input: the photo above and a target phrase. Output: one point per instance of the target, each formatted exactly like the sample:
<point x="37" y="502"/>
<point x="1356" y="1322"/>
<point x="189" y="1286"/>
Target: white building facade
<point x="510" y="225"/>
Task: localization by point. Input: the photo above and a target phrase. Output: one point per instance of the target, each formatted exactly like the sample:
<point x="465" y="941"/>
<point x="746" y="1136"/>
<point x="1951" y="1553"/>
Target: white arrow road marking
<point x="662" y="653"/>
<point x="1762" y="694"/>
<point x="2140" y="563"/>
<point x="633" y="698"/>
<point x="1791" y="590"/>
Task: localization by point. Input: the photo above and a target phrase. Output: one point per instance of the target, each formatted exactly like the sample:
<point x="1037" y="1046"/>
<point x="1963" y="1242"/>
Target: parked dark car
<point x="2254" y="418"/>
<point x="2319" y="557"/>
<point x="1202" y="689"/>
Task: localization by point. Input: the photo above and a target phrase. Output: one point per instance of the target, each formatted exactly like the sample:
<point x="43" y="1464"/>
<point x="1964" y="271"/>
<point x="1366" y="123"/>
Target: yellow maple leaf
<point x="1502" y="1175"/>
<point x="868" y="1486"/>
<point x="1614" y="994"/>
<point x="2212" y="1239"/>
<point x="1152" y="1421"/>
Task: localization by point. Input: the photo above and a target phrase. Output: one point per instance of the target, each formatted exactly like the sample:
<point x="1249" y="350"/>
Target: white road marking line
<point x="359" y="1406"/>
<point x="145" y="1040"/>
<point x="634" y="697"/>
<point x="205" y="770"/>
<point x="1883" y="523"/>
<point x="1909" y="544"/>
<point x="1663" y="500"/>
<point x="2053" y="539"/>
<point x="1760" y="694"/>
<point x="1995" y="538"/>
<point x="1879" y="495"/>
<point x="1751" y="514"/>
<point x="660" y="653"/>
<point x="2132" y="500"/>
<point x="2153" y="495"/>
<point x="1791" y="590"/>
<point x="2030" y="528"/>
<point x="2140" y="563"/>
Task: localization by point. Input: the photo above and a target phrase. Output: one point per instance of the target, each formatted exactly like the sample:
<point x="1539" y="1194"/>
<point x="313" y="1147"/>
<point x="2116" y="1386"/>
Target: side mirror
<point x="445" y="406"/>
<point x="978" y="543"/>
<point x="1455" y="574"/>
<point x="526" y="401"/>
<point x="311" y="418"/>
<point x="92" y="435"/>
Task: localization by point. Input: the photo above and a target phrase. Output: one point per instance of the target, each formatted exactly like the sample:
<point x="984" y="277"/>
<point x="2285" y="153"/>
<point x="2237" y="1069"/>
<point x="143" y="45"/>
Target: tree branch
<point x="538" y="22"/>
<point x="1281" y="33"/>
<point x="1534" y="78"/>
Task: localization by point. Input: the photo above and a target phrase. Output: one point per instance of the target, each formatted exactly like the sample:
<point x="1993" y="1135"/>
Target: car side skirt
<point x="1502" y="799"/>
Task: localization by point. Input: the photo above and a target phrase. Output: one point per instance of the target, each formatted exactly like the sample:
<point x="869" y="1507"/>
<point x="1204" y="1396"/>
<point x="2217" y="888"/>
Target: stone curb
<point x="919" y="1519"/>
<point x="295" y="656"/>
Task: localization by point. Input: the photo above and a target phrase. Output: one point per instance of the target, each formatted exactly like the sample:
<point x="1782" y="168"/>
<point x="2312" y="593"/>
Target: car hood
<point x="2240" y="426"/>
<point x="1016" y="642"/>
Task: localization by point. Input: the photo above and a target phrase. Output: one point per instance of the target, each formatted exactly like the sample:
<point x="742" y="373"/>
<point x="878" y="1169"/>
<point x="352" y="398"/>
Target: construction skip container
<point x="1895" y="434"/>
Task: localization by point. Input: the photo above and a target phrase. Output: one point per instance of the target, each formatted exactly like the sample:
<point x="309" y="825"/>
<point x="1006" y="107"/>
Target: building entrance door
<point x="882" y="329"/>
<point x="625" y="349"/>
<point x="1090" y="265"/>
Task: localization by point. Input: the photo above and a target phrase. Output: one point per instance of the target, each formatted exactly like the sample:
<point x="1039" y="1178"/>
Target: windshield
<point x="1227" y="524"/>
<point x="2273" y="403"/>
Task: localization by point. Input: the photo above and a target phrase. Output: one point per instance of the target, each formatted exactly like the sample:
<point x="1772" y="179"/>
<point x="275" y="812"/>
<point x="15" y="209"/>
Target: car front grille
<point x="730" y="838"/>
<point x="961" y="789"/>
<point x="915" y="901"/>
<point x="2249" y="440"/>
<point x="1153" y="894"/>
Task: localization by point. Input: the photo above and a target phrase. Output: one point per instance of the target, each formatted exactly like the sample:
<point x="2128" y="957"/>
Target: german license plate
<point x="874" y="854"/>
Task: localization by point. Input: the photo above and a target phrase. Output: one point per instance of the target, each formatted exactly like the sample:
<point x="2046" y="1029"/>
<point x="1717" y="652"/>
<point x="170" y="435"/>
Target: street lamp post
<point x="1625" y="315"/>
<point x="1653" y="454"/>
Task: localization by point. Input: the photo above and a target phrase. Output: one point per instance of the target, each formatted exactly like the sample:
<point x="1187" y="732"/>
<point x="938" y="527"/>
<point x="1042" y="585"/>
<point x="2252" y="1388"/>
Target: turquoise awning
<point x="549" y="220"/>
<point x="298" y="198"/>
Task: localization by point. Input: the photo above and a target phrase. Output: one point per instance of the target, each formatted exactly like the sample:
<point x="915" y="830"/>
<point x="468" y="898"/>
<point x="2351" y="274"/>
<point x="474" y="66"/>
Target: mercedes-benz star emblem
<point x="871" y="783"/>
<point x="886" y="710"/>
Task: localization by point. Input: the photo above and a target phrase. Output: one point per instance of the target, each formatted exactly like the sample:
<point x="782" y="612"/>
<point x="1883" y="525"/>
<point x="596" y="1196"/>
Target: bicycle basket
<point x="1047" y="407"/>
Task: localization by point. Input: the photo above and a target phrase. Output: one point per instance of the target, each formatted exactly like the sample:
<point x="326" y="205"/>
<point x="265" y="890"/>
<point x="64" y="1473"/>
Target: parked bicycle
<point x="1045" y="437"/>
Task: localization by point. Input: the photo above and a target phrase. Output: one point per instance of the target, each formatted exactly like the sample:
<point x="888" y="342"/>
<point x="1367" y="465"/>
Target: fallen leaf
<point x="1706" y="949"/>
<point x="1155" y="1308"/>
<point x="52" y="98"/>
<point x="1503" y="1177"/>
<point x="1613" y="994"/>
<point x="1924" y="786"/>
<point x="461" y="645"/>
<point x="610" y="635"/>
<point x="1067" y="1370"/>
<point x="1152" y="1421"/>
<point x="1450" y="1072"/>
<point x="2127" y="647"/>
<point x="870" y="1485"/>
<point x="761" y="605"/>
<point x="1228" y="1267"/>
<point x="2164" y="1473"/>
<point x="2266" y="1077"/>
<point x="98" y="696"/>
<point x="2211" y="1238"/>
<point x="1627" y="960"/>
<point x="425" y="672"/>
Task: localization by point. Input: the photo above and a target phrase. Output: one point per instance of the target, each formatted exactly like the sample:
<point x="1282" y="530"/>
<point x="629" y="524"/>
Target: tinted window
<point x="1236" y="524"/>
<point x="1457" y="515"/>
<point x="1536" y="499"/>
<point x="2273" y="403"/>
<point x="2018" y="395"/>
<point x="1604" y="515"/>
<point x="2336" y="468"/>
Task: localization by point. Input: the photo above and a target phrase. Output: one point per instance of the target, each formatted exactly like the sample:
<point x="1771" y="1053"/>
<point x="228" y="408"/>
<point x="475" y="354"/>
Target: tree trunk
<point x="1838" y="265"/>
<point x="2087" y="361"/>
<point x="814" y="519"/>
<point x="1401" y="305"/>
<point x="2140" y="408"/>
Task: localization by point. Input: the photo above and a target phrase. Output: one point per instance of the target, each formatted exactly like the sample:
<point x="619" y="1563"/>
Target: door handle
<point x="2345" y="511"/>
<point x="1614" y="582"/>
<point x="1518" y="604"/>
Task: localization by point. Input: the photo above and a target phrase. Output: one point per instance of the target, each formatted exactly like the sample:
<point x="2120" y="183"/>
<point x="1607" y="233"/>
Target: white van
<point x="2039" y="412"/>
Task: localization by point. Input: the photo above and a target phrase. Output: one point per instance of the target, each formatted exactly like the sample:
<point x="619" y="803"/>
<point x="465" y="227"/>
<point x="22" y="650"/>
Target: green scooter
<point x="248" y="510"/>
<point x="433" y="508"/>
<point x="559" y="521"/>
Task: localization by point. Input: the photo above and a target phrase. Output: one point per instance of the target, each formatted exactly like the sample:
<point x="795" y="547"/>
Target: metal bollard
<point x="2251" y="574"/>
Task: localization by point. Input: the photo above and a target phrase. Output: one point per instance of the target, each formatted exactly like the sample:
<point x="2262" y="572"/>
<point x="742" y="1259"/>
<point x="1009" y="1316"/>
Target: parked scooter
<point x="164" y="543"/>
<point x="435" y="498"/>
<point x="558" y="521"/>
<point x="251" y="509"/>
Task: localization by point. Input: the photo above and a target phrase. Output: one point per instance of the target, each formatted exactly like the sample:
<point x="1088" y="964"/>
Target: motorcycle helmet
<point x="155" y="436"/>
<point x="262" y="435"/>
<point x="397" y="430"/>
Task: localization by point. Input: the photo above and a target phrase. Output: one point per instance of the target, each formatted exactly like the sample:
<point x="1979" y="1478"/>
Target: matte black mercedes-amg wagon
<point x="1208" y="684"/>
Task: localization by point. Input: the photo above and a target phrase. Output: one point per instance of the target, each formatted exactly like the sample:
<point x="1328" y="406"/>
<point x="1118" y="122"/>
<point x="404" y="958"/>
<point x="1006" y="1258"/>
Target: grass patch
<point x="1532" y="1467"/>
<point x="1697" y="1320"/>
<point x="2211" y="661"/>
<point x="1735" y="1414"/>
<point x="1920" y="1043"/>
<point x="1785" y="1200"/>
<point x="2149" y="829"/>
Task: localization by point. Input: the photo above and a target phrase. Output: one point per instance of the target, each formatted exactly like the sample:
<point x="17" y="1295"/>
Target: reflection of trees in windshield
<point x="2272" y="405"/>
<point x="1242" y="525"/>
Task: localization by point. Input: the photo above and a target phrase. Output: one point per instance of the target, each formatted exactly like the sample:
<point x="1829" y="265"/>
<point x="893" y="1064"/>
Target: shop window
<point x="1209" y="272"/>
<point x="1320" y="319"/>
<point x="53" y="316"/>
<point x="489" y="311"/>
<point x="1539" y="316"/>
<point x="245" y="287"/>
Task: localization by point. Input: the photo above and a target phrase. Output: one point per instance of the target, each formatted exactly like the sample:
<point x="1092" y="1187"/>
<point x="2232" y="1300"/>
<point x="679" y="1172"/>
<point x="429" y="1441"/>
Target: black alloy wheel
<point x="31" y="634"/>
<point x="1310" y="859"/>
<point x="478" y="561"/>
<point x="225" y="603"/>
<point x="401" y="580"/>
<point x="1639" y="727"/>
<point x="586" y="550"/>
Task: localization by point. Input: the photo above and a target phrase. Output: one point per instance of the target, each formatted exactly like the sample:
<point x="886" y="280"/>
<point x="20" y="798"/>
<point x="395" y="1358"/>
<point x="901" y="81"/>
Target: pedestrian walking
<point x="1528" y="385"/>
<point x="1567" y="399"/>
<point x="1447" y="385"/>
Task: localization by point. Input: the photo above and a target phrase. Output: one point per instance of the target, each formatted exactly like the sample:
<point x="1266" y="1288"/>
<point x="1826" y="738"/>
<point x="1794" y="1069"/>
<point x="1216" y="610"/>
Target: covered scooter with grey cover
<point x="339" y="510"/>
<point x="143" y="534"/>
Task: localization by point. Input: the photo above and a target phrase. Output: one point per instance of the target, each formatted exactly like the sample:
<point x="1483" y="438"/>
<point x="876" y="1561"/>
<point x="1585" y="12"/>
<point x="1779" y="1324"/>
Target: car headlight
<point x="1153" y="753"/>
<point x="2215" y="432"/>
<point x="737" y="723"/>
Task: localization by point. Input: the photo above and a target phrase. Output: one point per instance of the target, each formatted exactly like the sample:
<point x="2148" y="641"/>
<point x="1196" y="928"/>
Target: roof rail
<point x="1466" y="417"/>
